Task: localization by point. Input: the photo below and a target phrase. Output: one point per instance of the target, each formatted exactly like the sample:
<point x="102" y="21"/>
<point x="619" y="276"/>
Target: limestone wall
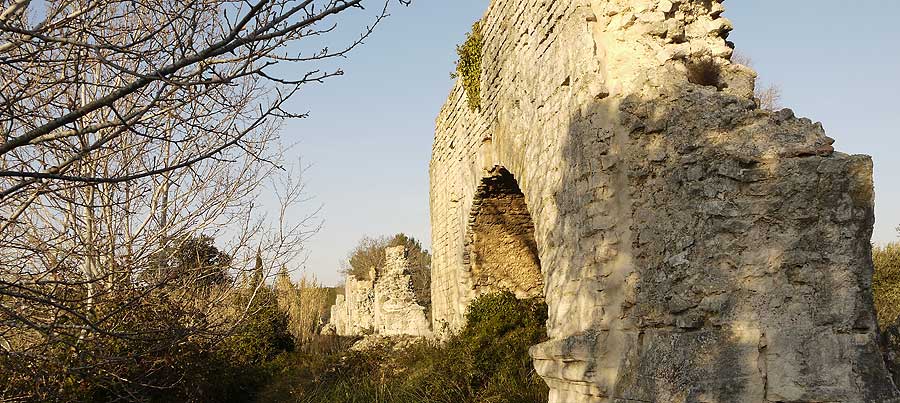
<point x="692" y="247"/>
<point x="385" y="306"/>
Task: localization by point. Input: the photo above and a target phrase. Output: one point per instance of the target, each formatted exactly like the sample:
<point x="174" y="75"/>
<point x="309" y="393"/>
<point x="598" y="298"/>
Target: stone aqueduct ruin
<point x="690" y="246"/>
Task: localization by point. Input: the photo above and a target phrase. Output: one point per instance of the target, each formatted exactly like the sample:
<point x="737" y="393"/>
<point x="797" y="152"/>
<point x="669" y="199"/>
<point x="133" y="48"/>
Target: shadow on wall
<point x="500" y="251"/>
<point x="718" y="251"/>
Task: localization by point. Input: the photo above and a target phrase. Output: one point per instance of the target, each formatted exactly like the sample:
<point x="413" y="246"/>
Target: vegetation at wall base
<point x="486" y="362"/>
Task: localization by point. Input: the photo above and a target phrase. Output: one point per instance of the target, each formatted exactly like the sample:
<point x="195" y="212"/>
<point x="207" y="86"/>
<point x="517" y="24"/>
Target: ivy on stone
<point x="468" y="67"/>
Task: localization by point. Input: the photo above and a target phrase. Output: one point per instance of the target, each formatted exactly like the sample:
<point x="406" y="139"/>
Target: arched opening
<point x="501" y="253"/>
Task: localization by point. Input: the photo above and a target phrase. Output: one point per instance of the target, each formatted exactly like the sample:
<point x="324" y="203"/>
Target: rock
<point x="392" y="343"/>
<point x="665" y="6"/>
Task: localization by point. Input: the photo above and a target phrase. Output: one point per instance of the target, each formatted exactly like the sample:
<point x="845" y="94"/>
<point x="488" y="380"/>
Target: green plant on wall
<point x="468" y="67"/>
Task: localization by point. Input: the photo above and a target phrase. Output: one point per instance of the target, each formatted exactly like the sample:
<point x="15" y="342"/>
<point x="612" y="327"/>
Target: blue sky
<point x="368" y="139"/>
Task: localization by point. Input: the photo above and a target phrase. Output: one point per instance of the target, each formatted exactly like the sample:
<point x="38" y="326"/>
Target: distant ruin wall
<point x="386" y="306"/>
<point x="692" y="247"/>
<point x="353" y="313"/>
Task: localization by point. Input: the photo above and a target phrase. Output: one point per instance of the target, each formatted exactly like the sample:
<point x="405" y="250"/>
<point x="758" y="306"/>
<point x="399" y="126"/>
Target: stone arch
<point x="500" y="251"/>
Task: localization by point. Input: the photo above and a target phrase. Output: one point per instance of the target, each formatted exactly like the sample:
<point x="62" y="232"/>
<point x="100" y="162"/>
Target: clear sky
<point x="368" y="139"/>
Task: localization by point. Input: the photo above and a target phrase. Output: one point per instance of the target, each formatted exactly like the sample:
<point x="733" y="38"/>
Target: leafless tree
<point x="126" y="127"/>
<point x="768" y="97"/>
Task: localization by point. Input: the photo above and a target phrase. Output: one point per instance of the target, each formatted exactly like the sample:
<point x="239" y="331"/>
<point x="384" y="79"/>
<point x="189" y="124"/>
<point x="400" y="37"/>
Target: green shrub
<point x="262" y="335"/>
<point x="499" y="330"/>
<point x="487" y="362"/>
<point x="469" y="65"/>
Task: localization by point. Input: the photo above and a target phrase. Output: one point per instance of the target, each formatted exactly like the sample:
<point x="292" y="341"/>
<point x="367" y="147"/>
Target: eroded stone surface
<point x="386" y="306"/>
<point x="353" y="313"/>
<point x="693" y="247"/>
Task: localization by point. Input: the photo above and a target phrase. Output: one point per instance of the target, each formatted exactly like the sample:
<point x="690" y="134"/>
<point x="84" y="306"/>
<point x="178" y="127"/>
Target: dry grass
<point x="705" y="72"/>
<point x="307" y="304"/>
<point x="886" y="283"/>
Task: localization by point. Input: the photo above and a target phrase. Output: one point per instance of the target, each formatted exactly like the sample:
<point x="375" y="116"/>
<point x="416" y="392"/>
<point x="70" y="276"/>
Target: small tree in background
<point x="768" y="97"/>
<point x="369" y="253"/>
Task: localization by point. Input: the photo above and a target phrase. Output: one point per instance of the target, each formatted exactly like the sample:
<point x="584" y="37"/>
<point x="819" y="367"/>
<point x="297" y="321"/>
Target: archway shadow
<point x="500" y="250"/>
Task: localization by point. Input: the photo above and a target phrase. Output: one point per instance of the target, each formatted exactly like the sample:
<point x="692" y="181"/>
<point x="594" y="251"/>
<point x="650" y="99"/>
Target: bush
<point x="886" y="283"/>
<point x="705" y="72"/>
<point x="262" y="335"/>
<point x="369" y="254"/>
<point x="469" y="65"/>
<point x="487" y="362"/>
